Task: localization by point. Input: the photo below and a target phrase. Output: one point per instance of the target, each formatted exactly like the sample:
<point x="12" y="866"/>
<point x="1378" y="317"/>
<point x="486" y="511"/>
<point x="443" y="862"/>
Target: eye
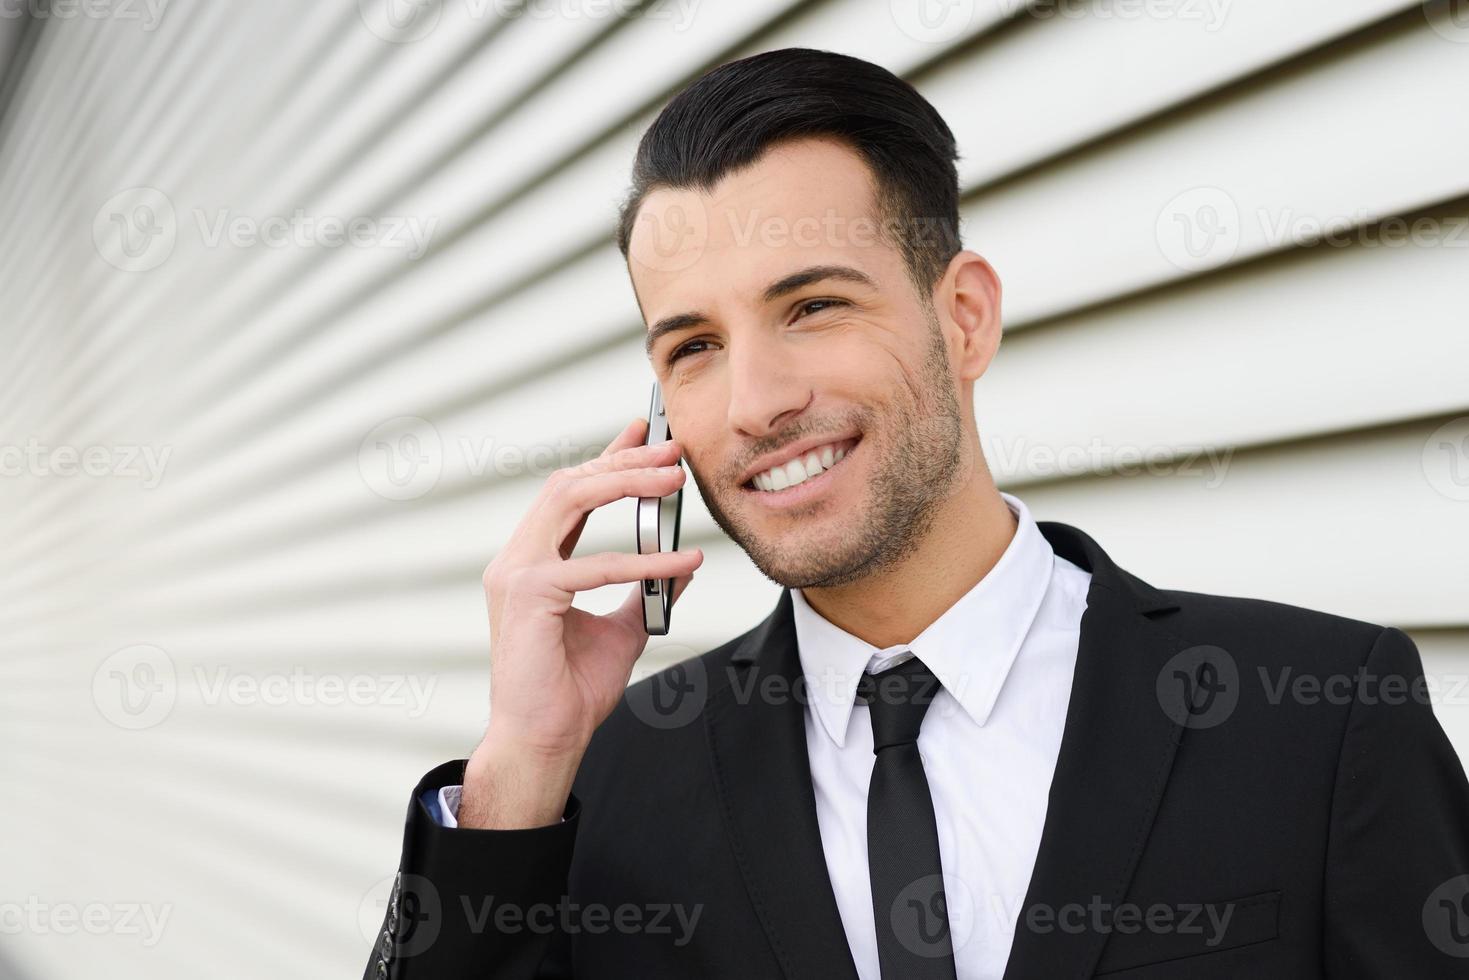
<point x="828" y="304"/>
<point x="683" y="349"/>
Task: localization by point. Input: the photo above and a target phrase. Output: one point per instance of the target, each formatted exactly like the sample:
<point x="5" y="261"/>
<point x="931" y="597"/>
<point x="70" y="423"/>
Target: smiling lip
<point x="795" y="451"/>
<point x="803" y="491"/>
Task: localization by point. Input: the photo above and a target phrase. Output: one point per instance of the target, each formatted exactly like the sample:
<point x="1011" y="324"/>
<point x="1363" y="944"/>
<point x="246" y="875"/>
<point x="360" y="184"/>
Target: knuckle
<point x="497" y="578"/>
<point x="559" y="489"/>
<point x="513" y="579"/>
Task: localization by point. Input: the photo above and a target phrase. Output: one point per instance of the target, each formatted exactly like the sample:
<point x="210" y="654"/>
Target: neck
<point x="967" y="538"/>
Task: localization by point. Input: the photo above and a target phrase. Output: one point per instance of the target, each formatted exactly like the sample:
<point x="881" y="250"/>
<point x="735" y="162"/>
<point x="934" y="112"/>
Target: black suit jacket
<point x="1198" y="775"/>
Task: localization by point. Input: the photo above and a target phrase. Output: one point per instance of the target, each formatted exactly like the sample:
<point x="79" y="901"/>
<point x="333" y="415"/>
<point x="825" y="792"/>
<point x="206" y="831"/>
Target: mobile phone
<point x="657" y="530"/>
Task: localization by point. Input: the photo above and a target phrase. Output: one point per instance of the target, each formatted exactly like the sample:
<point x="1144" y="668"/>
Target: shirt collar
<point x="970" y="647"/>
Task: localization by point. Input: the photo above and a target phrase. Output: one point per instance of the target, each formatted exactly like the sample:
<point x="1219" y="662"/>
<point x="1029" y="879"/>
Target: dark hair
<point x="729" y="116"/>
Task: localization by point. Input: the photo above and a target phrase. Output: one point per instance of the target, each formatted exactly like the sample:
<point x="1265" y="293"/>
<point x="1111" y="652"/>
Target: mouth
<point x="803" y="478"/>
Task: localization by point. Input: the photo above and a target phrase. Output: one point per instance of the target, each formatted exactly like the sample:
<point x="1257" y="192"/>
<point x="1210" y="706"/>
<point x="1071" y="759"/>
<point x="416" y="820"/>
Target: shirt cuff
<point x="446" y="812"/>
<point x="449" y="805"/>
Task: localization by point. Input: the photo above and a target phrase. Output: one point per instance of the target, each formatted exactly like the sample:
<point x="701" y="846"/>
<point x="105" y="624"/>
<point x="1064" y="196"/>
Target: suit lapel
<point x="1116" y="753"/>
<point x="758" y="740"/>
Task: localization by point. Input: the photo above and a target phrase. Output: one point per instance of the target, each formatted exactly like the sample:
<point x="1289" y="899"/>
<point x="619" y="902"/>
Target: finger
<point x="561" y="509"/>
<point x="615" y="567"/>
<point x="632" y="434"/>
<point x="630" y="437"/>
<point x="630" y="613"/>
<point x="555" y="520"/>
<point x="579" y="497"/>
<point x="628" y="456"/>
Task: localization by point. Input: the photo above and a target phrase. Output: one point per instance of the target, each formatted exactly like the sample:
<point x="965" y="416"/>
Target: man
<point x="964" y="744"/>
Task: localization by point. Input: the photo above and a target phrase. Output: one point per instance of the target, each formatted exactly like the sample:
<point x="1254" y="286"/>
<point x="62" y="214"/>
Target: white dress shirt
<point x="1005" y="653"/>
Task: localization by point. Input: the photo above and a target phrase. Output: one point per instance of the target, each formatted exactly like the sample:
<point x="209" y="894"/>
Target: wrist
<point x="510" y="785"/>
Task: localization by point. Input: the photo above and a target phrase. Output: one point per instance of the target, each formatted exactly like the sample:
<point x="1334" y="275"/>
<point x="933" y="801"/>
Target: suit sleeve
<point x="475" y="903"/>
<point x="1397" y="878"/>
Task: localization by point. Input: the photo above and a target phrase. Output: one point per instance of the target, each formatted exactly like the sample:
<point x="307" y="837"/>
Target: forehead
<point x="804" y="202"/>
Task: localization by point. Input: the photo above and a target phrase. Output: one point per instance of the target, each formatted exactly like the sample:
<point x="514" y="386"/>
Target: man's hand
<point x="556" y="672"/>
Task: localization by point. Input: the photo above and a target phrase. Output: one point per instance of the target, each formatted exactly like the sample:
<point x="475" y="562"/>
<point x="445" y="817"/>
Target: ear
<point x="969" y="296"/>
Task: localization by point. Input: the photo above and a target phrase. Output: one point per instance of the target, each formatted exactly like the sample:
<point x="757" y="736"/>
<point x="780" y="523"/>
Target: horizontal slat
<point x="1321" y="340"/>
<point x="1275" y="151"/>
<point x="1010" y="108"/>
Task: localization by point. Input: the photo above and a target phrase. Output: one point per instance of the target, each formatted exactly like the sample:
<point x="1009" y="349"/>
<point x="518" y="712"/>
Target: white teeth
<point x="800" y="469"/>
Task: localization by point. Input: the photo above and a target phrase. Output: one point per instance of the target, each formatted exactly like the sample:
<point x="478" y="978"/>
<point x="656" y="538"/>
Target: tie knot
<point x="897" y="699"/>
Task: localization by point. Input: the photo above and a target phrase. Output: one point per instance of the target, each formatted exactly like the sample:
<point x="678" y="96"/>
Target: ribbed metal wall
<point x="252" y="473"/>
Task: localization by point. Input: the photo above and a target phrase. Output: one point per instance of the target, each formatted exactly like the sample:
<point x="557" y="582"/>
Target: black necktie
<point x="908" y="904"/>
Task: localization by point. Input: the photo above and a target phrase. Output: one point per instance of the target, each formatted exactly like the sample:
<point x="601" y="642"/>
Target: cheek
<point x="863" y="368"/>
<point x="702" y="447"/>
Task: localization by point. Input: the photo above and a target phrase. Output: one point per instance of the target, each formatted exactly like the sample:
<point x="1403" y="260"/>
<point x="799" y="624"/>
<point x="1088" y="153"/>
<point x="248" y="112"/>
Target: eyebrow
<point x="781" y="287"/>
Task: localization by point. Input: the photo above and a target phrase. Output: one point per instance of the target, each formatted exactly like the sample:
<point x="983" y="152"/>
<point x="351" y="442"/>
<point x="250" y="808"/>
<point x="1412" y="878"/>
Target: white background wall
<point x="233" y="643"/>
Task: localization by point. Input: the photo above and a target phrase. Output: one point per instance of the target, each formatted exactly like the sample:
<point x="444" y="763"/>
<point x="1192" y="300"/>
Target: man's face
<point x="768" y="356"/>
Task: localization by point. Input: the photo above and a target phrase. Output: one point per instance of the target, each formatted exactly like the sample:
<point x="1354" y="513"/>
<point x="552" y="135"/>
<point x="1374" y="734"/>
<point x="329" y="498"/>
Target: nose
<point x="766" y="388"/>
